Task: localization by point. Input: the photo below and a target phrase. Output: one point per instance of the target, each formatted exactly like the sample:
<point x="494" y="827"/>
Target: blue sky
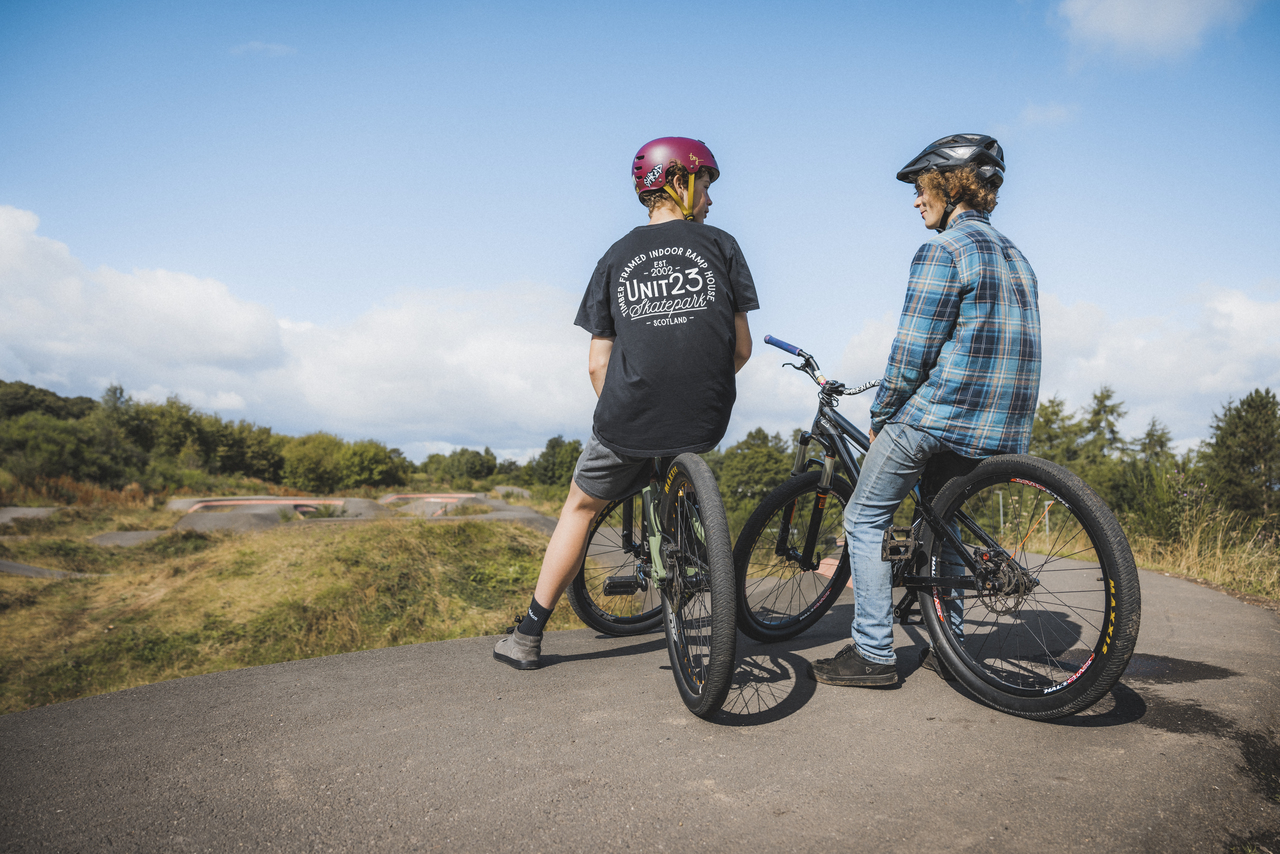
<point x="378" y="219"/>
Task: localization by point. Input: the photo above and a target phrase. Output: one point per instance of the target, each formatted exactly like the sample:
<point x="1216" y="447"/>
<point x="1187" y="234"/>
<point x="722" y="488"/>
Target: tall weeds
<point x="1177" y="528"/>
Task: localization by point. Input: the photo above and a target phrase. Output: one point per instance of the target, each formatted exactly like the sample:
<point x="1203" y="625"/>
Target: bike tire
<point x="611" y="553"/>
<point x="1057" y="632"/>
<point x="698" y="593"/>
<point x="777" y="597"/>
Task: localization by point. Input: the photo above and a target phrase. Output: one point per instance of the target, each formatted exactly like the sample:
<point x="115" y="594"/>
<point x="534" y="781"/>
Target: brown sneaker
<point x="848" y="667"/>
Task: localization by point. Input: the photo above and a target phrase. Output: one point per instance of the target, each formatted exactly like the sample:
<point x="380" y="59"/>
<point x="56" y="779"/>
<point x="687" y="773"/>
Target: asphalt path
<point x="11" y="568"/>
<point x="436" y="747"/>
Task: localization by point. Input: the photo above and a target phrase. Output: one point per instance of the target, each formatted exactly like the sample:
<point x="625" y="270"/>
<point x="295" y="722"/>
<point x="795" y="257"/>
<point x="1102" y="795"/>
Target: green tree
<point x="752" y="468"/>
<point x="1242" y="458"/>
<point x="370" y="463"/>
<point x="252" y="451"/>
<point x="554" y="466"/>
<point x="19" y="398"/>
<point x="1088" y="443"/>
<point x="36" y="445"/>
<point x="313" y="463"/>
<point x="1152" y="486"/>
<point x="466" y="464"/>
<point x="1056" y="433"/>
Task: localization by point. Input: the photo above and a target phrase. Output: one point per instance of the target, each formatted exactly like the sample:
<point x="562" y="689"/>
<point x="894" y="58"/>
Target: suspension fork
<point x="782" y="548"/>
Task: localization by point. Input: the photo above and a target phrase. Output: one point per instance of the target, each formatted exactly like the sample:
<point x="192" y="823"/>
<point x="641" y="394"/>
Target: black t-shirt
<point x="667" y="294"/>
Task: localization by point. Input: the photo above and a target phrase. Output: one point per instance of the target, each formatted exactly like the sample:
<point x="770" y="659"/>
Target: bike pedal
<point x="898" y="544"/>
<point x="621" y="585"/>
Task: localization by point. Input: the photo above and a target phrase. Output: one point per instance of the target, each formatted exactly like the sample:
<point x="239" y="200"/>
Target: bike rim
<point x="608" y="556"/>
<point x="779" y="592"/>
<point x="1030" y="640"/>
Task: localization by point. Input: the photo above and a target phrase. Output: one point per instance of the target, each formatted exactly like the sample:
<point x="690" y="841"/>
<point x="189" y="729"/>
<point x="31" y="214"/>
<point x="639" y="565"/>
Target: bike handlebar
<point x="811" y="368"/>
<point x="783" y="345"/>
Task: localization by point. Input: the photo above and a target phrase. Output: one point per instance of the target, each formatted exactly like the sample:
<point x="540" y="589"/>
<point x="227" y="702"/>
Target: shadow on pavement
<point x="642" y="645"/>
<point x="767" y="687"/>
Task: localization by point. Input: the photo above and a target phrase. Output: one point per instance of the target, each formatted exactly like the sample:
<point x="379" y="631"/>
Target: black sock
<point x="535" y="620"/>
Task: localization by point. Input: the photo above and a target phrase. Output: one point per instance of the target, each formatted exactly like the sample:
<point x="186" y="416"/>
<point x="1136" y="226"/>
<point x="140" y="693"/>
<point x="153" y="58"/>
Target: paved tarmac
<point x="436" y="747"/>
<point x="11" y="568"/>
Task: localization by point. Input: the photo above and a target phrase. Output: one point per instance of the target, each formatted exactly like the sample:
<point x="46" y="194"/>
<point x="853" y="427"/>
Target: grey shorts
<point x="607" y="476"/>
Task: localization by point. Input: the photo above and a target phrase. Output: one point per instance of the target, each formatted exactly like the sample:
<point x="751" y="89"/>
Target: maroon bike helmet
<point x="650" y="166"/>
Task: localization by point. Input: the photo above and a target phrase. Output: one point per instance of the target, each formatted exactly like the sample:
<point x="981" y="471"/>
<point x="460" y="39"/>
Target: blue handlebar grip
<point x="782" y="345"/>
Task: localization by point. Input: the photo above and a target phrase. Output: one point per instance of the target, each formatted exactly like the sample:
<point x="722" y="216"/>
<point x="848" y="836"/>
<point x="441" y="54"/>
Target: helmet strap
<point x="946" y="217"/>
<point x="686" y="208"/>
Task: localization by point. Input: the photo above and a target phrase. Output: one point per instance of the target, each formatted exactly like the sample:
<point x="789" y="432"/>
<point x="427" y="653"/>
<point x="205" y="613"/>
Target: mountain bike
<point x="663" y="556"/>
<point x="1022" y="577"/>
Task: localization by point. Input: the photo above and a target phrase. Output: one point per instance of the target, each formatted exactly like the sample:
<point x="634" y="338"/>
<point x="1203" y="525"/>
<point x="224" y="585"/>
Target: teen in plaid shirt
<point x="962" y="381"/>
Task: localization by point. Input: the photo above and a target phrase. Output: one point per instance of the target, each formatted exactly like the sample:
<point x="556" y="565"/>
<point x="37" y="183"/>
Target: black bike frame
<point x="833" y="432"/>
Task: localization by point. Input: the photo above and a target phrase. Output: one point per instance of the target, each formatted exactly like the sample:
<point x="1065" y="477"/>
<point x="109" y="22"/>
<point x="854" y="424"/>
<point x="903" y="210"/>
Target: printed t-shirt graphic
<point x="665" y="286"/>
<point x="667" y="294"/>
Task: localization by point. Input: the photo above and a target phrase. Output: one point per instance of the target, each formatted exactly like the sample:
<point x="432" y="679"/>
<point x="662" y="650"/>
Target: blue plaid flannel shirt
<point x="965" y="365"/>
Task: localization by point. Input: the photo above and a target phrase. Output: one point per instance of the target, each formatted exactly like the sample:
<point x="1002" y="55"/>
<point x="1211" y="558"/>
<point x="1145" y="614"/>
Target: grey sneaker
<point x="848" y="667"/>
<point x="519" y="650"/>
<point x="930" y="660"/>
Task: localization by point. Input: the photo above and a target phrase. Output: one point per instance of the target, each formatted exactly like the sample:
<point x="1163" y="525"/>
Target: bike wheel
<point x="698" y="592"/>
<point x="613" y="551"/>
<point x="781" y="591"/>
<point x="1055" y="628"/>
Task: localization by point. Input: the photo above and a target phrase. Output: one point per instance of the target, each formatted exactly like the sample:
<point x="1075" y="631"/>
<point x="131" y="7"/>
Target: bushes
<point x="311" y="463"/>
<point x="553" y="467"/>
<point x="36" y="445"/>
<point x="1242" y="459"/>
<point x="321" y="462"/>
<point x="19" y="398"/>
<point x="47" y="439"/>
<point x="752" y="468"/>
<point x="462" y="464"/>
<point x="370" y="463"/>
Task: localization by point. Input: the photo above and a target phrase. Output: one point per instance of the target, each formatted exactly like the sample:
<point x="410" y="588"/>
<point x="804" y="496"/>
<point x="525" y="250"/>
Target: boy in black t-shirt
<point x="666" y="309"/>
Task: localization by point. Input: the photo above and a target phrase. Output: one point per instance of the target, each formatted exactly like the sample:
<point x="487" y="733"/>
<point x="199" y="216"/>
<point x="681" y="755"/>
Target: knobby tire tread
<point x="1118" y="572"/>
<point x="704" y="699"/>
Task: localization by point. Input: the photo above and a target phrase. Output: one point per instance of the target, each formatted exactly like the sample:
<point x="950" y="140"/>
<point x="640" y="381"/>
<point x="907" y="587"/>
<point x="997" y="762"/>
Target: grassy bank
<point x="190" y="603"/>
<point x="1211" y="553"/>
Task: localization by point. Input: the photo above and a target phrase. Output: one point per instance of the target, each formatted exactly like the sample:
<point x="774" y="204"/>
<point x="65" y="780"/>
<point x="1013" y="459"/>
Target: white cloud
<point x="1176" y="372"/>
<point x="1179" y="373"/>
<point x="264" y="49"/>
<point x="1148" y="28"/>
<point x="62" y="322"/>
<point x="432" y="369"/>
<point x="437" y="369"/>
<point x="453" y="365"/>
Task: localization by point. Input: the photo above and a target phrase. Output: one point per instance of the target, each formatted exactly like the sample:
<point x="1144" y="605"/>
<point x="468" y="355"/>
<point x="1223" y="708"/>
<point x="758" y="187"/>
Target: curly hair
<point x="653" y="199"/>
<point x="959" y="186"/>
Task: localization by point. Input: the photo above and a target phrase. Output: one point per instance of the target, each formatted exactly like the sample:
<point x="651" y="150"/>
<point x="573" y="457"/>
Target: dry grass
<point x="1213" y="552"/>
<point x="547" y="500"/>
<point x="63" y="491"/>
<point x="191" y="603"/>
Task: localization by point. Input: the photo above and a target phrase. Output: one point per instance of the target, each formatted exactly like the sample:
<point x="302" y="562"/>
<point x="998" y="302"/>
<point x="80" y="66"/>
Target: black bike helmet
<point x="955" y="151"/>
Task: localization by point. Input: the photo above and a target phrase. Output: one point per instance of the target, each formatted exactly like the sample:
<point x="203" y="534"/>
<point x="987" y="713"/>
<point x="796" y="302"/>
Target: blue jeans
<point x="897" y="459"/>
